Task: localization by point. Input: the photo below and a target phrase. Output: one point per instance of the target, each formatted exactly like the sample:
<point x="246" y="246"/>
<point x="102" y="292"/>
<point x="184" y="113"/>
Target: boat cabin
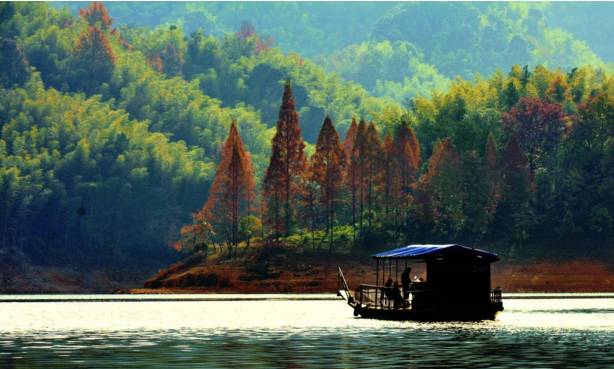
<point x="457" y="285"/>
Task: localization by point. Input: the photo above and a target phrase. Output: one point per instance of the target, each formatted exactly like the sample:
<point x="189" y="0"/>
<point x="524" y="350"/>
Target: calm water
<point x="274" y="331"/>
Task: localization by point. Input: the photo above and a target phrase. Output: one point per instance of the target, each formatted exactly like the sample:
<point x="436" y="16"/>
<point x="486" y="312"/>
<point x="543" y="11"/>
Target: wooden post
<point x="389" y="276"/>
<point x="376" y="281"/>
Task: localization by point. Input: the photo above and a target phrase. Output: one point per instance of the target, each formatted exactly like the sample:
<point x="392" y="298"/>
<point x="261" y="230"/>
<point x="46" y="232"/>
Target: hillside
<point x="403" y="50"/>
<point x="117" y="137"/>
<point x="113" y="134"/>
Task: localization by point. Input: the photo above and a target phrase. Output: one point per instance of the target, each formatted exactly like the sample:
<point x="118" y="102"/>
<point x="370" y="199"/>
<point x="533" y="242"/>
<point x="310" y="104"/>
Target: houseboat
<point x="457" y="285"/>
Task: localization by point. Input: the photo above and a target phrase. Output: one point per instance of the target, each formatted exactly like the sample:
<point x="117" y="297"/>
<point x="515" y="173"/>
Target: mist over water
<point x="537" y="331"/>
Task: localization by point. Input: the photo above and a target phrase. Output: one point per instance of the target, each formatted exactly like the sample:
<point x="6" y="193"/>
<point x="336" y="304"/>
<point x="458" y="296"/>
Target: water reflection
<point x="298" y="334"/>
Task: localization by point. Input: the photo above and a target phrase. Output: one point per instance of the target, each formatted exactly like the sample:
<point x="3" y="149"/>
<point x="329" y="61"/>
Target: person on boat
<point x="396" y="295"/>
<point x="387" y="290"/>
<point x="405" y="282"/>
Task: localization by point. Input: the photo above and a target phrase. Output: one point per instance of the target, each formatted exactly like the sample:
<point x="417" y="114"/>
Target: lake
<point x="295" y="331"/>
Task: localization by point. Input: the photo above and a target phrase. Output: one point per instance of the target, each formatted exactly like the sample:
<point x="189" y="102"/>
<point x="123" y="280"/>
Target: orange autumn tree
<point x="350" y="174"/>
<point x="514" y="211"/>
<point x="405" y="161"/>
<point x="326" y="170"/>
<point x="285" y="174"/>
<point x="231" y="197"/>
<point x="355" y="174"/>
<point x="350" y="137"/>
<point x="388" y="173"/>
<point x="439" y="195"/>
<point x="364" y="175"/>
<point x="93" y="60"/>
<point x="96" y="15"/>
<point x="372" y="157"/>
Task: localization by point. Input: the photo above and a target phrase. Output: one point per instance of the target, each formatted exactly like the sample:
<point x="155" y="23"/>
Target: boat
<point x="457" y="285"/>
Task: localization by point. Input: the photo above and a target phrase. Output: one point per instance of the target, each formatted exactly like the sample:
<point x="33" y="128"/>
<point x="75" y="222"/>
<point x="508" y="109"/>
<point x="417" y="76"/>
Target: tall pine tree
<point x="93" y="60"/>
<point x="355" y="176"/>
<point x="515" y="213"/>
<point x="439" y="196"/>
<point x="96" y="14"/>
<point x="373" y="155"/>
<point x="285" y="174"/>
<point x="406" y="164"/>
<point x="326" y="170"/>
<point x="350" y="138"/>
<point x="231" y="196"/>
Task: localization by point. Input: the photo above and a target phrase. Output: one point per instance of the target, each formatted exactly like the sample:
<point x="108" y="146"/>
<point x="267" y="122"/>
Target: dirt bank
<point x="282" y="271"/>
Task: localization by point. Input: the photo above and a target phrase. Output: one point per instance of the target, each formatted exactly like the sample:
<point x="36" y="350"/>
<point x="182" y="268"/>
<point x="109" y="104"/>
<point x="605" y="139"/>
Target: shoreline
<point x="286" y="272"/>
<point x="249" y="297"/>
<point x="283" y="271"/>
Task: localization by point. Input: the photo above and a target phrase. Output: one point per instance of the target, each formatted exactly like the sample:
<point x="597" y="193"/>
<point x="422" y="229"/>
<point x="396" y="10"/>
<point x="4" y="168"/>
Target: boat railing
<point x="495" y="295"/>
<point x="381" y="297"/>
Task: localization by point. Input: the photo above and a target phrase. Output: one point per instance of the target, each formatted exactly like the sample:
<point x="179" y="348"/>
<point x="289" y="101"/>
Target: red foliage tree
<point x="372" y="159"/>
<point x="406" y="164"/>
<point x="356" y="173"/>
<point x="263" y="45"/>
<point x="388" y="172"/>
<point x="94" y="59"/>
<point x="246" y="31"/>
<point x="438" y="190"/>
<point x="326" y="170"/>
<point x="286" y="171"/>
<point x="350" y="137"/>
<point x="514" y="210"/>
<point x="231" y="196"/>
<point x="156" y="63"/>
<point x="355" y="169"/>
<point x="515" y="160"/>
<point x="538" y="126"/>
<point x="96" y="15"/>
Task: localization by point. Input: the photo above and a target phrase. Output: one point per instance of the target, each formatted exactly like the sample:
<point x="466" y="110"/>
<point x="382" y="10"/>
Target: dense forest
<point x="402" y="50"/>
<point x="114" y="131"/>
<point x="516" y="160"/>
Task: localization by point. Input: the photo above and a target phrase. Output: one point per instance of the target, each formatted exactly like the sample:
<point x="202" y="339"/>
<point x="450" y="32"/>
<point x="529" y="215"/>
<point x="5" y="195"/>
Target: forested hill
<point x="401" y="50"/>
<point x="112" y="134"/>
<point x="110" y="137"/>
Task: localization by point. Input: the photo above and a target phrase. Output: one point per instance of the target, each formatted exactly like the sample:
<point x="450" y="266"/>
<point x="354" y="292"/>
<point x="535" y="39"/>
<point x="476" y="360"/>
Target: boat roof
<point x="436" y="251"/>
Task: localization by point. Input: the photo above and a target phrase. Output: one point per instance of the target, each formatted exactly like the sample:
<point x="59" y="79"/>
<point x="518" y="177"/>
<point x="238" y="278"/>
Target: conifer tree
<point x="439" y="195"/>
<point x="350" y="173"/>
<point x="406" y="163"/>
<point x="355" y="175"/>
<point x="490" y="152"/>
<point x="286" y="171"/>
<point x="326" y="170"/>
<point x="515" y="213"/>
<point x="373" y="161"/>
<point x="388" y="173"/>
<point x="231" y="196"/>
<point x="350" y="138"/>
<point x="492" y="172"/>
<point x="96" y="14"/>
<point x="172" y="53"/>
<point x="93" y="60"/>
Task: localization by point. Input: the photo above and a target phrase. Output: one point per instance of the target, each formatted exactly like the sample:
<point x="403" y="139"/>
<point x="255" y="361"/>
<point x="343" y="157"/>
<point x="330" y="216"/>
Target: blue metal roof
<point x="426" y="251"/>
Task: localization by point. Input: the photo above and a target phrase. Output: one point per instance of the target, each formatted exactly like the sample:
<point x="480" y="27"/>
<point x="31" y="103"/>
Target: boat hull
<point x="463" y="314"/>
